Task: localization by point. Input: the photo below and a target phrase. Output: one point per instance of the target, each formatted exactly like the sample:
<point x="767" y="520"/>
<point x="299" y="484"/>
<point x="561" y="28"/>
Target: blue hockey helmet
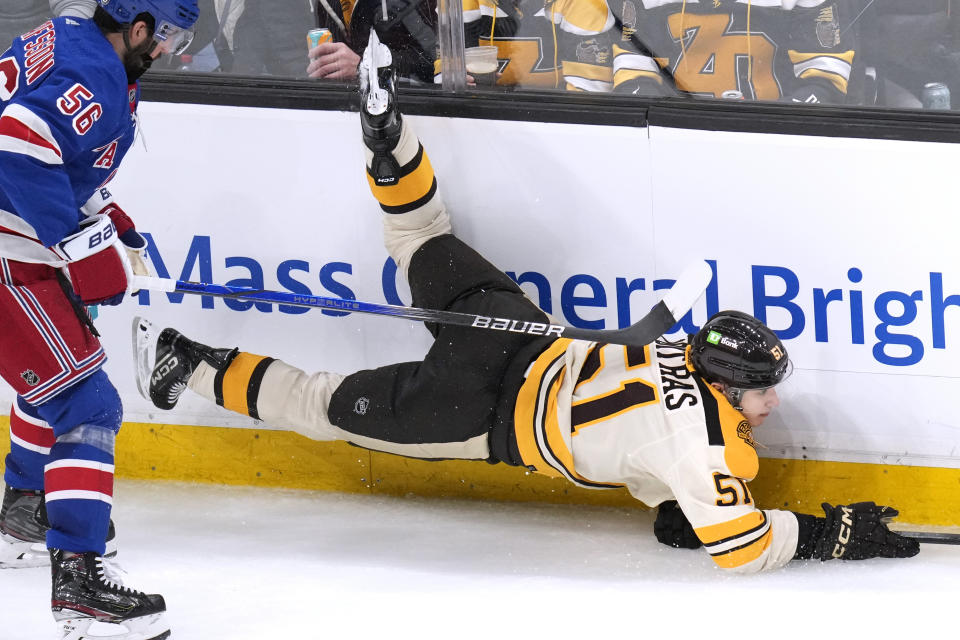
<point x="174" y="19"/>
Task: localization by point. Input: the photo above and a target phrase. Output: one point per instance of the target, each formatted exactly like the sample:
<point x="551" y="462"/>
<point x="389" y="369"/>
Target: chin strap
<point x="734" y="395"/>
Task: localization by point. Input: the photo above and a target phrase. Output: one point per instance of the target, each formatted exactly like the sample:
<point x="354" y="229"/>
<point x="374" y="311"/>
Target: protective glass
<point x="172" y="39"/>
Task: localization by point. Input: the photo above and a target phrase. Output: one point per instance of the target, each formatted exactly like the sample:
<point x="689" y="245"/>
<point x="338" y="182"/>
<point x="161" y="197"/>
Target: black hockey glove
<point x="859" y="531"/>
<point x="673" y="529"/>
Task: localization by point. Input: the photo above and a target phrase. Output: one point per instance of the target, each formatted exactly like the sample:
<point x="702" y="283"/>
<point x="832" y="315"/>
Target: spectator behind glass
<point x="783" y="51"/>
<point x="263" y="37"/>
<point x="545" y="44"/>
<point x="20" y="16"/>
<point x="410" y="32"/>
<point x="908" y="45"/>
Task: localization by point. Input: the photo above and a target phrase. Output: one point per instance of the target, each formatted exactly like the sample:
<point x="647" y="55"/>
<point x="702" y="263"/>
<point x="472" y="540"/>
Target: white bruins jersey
<point x="608" y="416"/>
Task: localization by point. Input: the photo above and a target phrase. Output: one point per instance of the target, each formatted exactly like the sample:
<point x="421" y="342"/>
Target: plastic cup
<point x="482" y="65"/>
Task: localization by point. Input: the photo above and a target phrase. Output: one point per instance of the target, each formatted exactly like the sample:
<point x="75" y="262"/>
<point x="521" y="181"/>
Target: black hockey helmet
<point x="739" y="351"/>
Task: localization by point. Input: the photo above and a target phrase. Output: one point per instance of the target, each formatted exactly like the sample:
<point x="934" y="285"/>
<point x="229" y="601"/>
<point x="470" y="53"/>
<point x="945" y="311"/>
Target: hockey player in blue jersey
<point x="68" y="99"/>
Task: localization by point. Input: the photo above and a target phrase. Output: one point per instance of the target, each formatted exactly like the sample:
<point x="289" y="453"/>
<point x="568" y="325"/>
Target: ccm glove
<point x="859" y="531"/>
<point x="96" y="262"/>
<point x="673" y="529"/>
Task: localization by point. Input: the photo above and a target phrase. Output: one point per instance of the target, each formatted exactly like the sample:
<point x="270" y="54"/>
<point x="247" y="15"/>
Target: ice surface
<point x="243" y="563"/>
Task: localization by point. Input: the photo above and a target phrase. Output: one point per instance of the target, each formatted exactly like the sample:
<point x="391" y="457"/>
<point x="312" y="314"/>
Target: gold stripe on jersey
<point x="628" y="66"/>
<point x="528" y="401"/>
<point x="588" y="77"/>
<point x="738" y="541"/>
<point x="833" y="67"/>
<point x="745" y="554"/>
<point x="541" y="444"/>
<point x="581" y="17"/>
<point x="236" y="388"/>
<point x="718" y="533"/>
<point x="416" y="182"/>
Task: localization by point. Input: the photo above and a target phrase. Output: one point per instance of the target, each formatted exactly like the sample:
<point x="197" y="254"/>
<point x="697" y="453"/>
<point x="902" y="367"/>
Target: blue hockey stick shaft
<point x="687" y="289"/>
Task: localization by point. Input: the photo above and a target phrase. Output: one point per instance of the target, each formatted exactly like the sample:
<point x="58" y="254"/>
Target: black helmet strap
<point x="734" y="395"/>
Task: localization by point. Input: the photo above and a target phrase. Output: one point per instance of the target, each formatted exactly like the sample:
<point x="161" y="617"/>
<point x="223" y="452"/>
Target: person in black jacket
<point x="410" y="31"/>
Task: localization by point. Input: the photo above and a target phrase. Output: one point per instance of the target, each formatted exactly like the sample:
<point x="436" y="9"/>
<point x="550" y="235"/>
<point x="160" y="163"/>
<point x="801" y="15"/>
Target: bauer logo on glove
<point x="95" y="262"/>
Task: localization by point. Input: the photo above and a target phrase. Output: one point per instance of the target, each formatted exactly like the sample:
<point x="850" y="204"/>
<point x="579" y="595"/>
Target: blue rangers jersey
<point x="67" y="118"/>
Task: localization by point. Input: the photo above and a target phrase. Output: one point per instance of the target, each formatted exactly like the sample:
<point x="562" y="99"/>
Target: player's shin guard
<point x="414" y="210"/>
<point x="272" y="391"/>
<point x="79" y="496"/>
<point x="78" y="479"/>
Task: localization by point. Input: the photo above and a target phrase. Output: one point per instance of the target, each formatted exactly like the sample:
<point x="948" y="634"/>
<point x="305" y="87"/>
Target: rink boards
<point x="846" y="247"/>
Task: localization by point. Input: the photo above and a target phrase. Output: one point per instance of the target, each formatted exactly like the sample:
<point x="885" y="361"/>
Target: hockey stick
<point x="678" y="300"/>
<point x="931" y="537"/>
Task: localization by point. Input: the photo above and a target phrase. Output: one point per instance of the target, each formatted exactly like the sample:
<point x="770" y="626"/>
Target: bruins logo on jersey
<point x="745" y="433"/>
<point x="592" y="51"/>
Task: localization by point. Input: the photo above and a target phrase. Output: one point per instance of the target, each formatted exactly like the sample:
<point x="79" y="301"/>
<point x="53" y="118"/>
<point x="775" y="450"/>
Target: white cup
<point x="482" y="64"/>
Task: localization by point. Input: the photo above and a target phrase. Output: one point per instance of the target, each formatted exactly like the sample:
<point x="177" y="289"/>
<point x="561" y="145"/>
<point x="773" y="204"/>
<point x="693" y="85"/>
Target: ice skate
<point x="379" y="116"/>
<point x="89" y="603"/>
<point x="165" y="361"/>
<point x="23" y="531"/>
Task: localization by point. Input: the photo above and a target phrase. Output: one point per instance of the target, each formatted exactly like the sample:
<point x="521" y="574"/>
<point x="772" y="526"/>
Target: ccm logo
<point x="164" y="368"/>
<point x="100" y="237"/>
<point x="846" y="530"/>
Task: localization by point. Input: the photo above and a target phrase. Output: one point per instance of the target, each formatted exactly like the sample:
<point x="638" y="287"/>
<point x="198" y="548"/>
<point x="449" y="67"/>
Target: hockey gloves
<point x="859" y="531"/>
<point x="96" y="262"/>
<point x="673" y="529"/>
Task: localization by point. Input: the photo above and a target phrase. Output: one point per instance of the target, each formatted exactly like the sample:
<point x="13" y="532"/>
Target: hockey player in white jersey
<point x="668" y="421"/>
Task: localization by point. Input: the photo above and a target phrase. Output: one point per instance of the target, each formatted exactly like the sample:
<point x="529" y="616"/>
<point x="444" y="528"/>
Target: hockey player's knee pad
<point x="93" y="402"/>
<point x="100" y="438"/>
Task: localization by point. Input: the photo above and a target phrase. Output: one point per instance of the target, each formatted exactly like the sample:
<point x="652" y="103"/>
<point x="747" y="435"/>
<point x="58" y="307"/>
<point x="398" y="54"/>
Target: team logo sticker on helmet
<point x="719" y="339"/>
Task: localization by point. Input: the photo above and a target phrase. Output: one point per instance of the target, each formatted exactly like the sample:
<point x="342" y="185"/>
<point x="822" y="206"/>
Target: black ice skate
<point x="23" y="530"/>
<point x="379" y="116"/>
<point x="166" y="360"/>
<point x="90" y="604"/>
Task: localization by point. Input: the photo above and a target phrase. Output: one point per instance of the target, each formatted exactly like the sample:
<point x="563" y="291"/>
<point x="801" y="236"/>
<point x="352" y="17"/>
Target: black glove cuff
<point x="811" y="530"/>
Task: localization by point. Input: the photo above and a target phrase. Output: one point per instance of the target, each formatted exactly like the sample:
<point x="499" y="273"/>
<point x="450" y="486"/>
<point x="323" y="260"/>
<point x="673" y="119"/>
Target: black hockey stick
<point x="678" y="300"/>
<point x="931" y="537"/>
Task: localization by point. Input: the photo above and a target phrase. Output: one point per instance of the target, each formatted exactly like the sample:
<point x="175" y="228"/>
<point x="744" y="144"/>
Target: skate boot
<point x="23" y="530"/>
<point x="166" y="360"/>
<point x="379" y="116"/>
<point x="89" y="603"/>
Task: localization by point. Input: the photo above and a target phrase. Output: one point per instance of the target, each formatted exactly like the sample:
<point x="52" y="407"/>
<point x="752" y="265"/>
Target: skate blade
<point x="144" y="353"/>
<point x="375" y="57"/>
<point x="152" y="627"/>
<point x="22" y="554"/>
